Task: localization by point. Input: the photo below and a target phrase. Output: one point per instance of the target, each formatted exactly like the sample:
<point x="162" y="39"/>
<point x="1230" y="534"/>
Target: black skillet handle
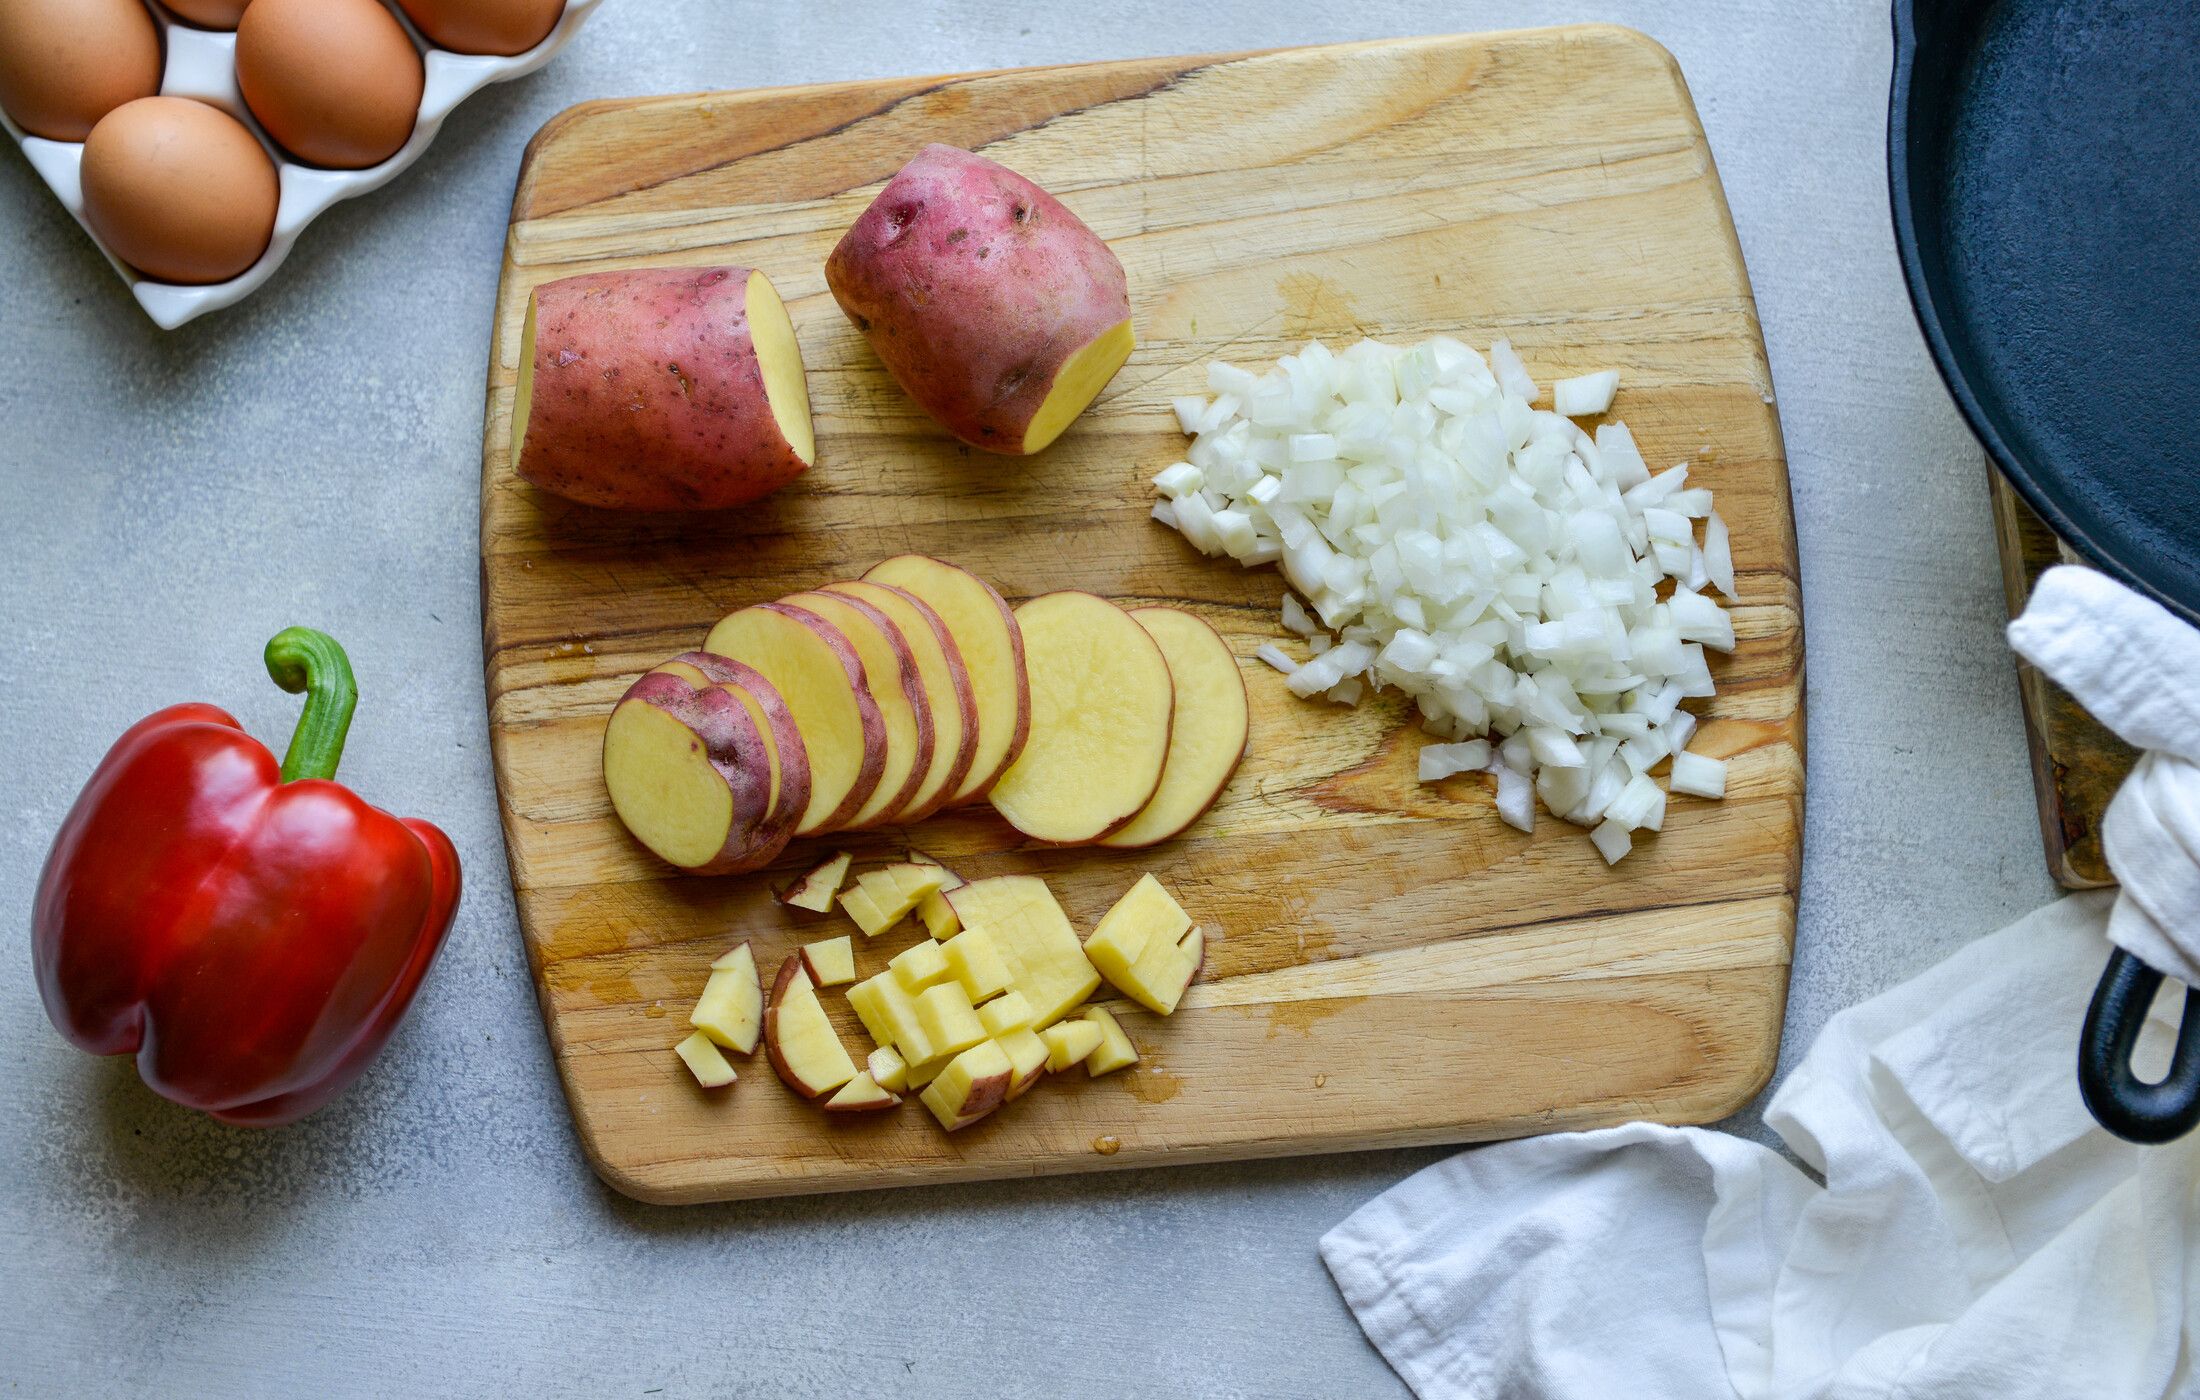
<point x="2123" y="1103"/>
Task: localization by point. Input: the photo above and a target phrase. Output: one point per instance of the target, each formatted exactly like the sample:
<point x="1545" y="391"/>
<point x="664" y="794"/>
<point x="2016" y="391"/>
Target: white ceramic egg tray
<point x="201" y="63"/>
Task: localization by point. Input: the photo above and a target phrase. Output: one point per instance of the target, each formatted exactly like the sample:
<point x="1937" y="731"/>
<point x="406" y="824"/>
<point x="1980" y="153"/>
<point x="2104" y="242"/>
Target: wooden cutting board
<point x="1390" y="964"/>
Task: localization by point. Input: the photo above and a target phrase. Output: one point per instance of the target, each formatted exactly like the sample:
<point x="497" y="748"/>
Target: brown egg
<point x="209" y="14"/>
<point x="335" y="82"/>
<point x="179" y="190"/>
<point x="64" y="64"/>
<point x="485" y="26"/>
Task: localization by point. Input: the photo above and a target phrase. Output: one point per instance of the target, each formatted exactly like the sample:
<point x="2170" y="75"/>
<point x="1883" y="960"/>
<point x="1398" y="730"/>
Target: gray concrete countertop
<point x="171" y="500"/>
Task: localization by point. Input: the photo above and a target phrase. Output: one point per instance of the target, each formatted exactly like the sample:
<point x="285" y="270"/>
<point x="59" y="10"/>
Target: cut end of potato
<point x="771" y="332"/>
<point x="523" y="396"/>
<point x="664" y="786"/>
<point x="1077" y="383"/>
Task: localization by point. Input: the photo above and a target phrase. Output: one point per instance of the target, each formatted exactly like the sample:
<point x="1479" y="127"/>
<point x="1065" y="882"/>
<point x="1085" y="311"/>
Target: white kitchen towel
<point x="2135" y="668"/>
<point x="1969" y="1233"/>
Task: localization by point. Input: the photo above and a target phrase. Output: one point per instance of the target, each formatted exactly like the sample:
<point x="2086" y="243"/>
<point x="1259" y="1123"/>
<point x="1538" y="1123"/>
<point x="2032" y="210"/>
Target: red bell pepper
<point x="251" y="934"/>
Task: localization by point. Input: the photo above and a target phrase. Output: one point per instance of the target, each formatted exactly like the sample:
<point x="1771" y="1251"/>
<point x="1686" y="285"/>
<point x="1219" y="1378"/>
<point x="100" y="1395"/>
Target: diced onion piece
<point x="1515" y="798"/>
<point x="1718" y="554"/>
<point x="1613" y="842"/>
<point x="1179" y="481"/>
<point x="1585" y="395"/>
<point x="1696" y="775"/>
<point x="1439" y="761"/>
<point x="1495" y="562"/>
<point x="1512" y="375"/>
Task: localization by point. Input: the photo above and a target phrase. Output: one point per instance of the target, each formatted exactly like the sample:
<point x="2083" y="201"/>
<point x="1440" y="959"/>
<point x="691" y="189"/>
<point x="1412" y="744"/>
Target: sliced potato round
<point x="689" y="774"/>
<point x="817" y="673"/>
<point x="946" y="684"/>
<point x="992" y="648"/>
<point x="1208" y="737"/>
<point x="1102" y="704"/>
<point x="890" y="670"/>
<point x="790" y="769"/>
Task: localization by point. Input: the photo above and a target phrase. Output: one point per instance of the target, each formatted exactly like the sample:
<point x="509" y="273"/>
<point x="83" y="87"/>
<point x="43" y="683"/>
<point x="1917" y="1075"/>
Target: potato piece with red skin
<point x="790" y="761"/>
<point x="946" y="685"/>
<point x="815" y="669"/>
<point x="991" y="304"/>
<point x="890" y="671"/>
<point x="992" y="649"/>
<point x="664" y="388"/>
<point x="689" y="775"/>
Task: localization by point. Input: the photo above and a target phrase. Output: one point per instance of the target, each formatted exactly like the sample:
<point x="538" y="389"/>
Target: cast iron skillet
<point x="2044" y="163"/>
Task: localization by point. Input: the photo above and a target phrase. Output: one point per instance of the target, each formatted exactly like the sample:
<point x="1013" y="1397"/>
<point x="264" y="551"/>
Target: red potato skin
<point x="966" y="705"/>
<point x="911" y="686"/>
<point x="788" y="971"/>
<point x="981" y="789"/>
<point x="735" y="749"/>
<point x="874" y="755"/>
<point x="794" y="759"/>
<point x="973" y="285"/>
<point x="648" y="394"/>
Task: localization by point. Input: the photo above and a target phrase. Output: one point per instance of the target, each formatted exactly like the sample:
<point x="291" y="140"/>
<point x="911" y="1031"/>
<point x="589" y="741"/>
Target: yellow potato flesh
<point x="704" y="1061"/>
<point x="1034" y="939"/>
<point x="757" y="717"/>
<point x="831" y="962"/>
<point x="1027" y="1056"/>
<point x="947" y="1019"/>
<point x="731" y="1009"/>
<point x="523" y="395"/>
<point x="808" y="675"/>
<point x="1101" y="706"/>
<point x="664" y="787"/>
<point x="982" y="634"/>
<point x="919" y="966"/>
<point x="1207" y="737"/>
<point x="1115" y="1049"/>
<point x="936" y="673"/>
<point x="1069" y="1042"/>
<point x="1145" y="914"/>
<point x="809" y="1045"/>
<point x="882" y="667"/>
<point x="1080" y="379"/>
<point x="771" y="332"/>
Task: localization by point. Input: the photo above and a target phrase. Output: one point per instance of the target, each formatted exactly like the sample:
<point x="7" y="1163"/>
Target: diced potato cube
<point x="1068" y="1043"/>
<point x="888" y="1069"/>
<point x="919" y="966"/>
<point x="1145" y="914"/>
<point x="938" y="915"/>
<point x="976" y="962"/>
<point x="974" y="1083"/>
<point x="830" y="963"/>
<point x="1010" y="1012"/>
<point x="890" y="1014"/>
<point x="948" y="1021"/>
<point x="705" y="1061"/>
<point x="1115" y="1050"/>
<point x="1027" y="1055"/>
<point x="862" y="906"/>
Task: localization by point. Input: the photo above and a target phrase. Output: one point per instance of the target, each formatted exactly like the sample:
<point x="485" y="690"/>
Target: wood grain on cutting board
<point x="1389" y="964"/>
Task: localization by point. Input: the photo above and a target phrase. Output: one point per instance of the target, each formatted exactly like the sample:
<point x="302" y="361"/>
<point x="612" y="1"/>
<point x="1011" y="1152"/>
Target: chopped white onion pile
<point x="1492" y="560"/>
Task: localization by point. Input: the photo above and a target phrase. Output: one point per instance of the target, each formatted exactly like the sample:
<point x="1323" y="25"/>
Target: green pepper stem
<point x="301" y="659"/>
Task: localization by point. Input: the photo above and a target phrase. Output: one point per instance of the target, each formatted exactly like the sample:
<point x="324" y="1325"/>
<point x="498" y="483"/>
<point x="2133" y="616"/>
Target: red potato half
<point x="689" y="773"/>
<point x="664" y="388"/>
<point x="816" y="671"/>
<point x="991" y="304"/>
<point x="890" y="670"/>
<point x="1208" y="737"/>
<point x="799" y="1038"/>
<point x="946" y="685"/>
<point x="992" y="648"/>
<point x="1102" y="705"/>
